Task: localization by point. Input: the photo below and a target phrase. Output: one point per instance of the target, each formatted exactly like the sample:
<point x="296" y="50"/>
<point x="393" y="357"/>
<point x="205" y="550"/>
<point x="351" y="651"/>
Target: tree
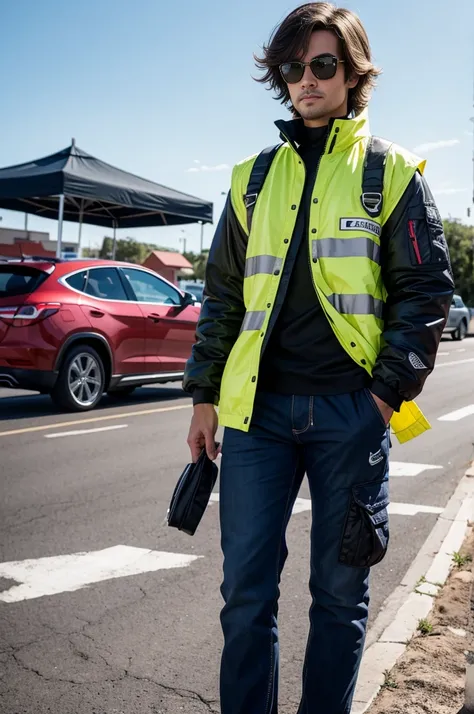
<point x="199" y="262"/>
<point x="200" y="265"/>
<point x="90" y="252"/>
<point x="128" y="250"/>
<point x="460" y="239"/>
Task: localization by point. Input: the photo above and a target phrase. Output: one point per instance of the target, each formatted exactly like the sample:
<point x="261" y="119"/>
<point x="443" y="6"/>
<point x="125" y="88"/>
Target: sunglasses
<point x="323" y="67"/>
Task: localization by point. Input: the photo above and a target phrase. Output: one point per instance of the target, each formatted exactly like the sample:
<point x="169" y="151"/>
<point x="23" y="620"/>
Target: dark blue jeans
<point x="342" y="444"/>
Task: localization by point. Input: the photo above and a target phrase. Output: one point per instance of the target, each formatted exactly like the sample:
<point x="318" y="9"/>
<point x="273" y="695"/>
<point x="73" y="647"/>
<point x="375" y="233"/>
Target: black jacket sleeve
<point x="222" y="309"/>
<point x="417" y="274"/>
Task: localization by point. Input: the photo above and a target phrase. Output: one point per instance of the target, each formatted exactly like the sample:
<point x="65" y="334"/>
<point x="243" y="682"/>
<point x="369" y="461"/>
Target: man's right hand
<point x="202" y="431"/>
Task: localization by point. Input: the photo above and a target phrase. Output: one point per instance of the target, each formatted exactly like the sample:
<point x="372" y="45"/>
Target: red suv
<point x="77" y="329"/>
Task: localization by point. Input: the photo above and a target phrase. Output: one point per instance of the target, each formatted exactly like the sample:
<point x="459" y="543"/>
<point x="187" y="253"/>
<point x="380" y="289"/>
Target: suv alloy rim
<point x="84" y="379"/>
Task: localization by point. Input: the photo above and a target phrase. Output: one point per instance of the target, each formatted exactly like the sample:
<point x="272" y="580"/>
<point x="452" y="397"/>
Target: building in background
<point x="170" y="265"/>
<point x="14" y="243"/>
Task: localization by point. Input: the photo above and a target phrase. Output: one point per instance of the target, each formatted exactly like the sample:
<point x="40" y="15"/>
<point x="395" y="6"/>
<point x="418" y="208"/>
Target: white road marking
<point x="411" y="509"/>
<point x="442" y="354"/>
<point x="463" y="349"/>
<point x="400" y="468"/>
<point x="80" y="432"/>
<point x="395" y="509"/>
<point x="66" y="573"/>
<point x="301" y="505"/>
<point x="458" y="414"/>
<point x="456" y="362"/>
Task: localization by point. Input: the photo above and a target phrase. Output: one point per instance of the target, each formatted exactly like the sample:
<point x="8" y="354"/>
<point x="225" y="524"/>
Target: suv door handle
<point x="97" y="313"/>
<point x="154" y="317"/>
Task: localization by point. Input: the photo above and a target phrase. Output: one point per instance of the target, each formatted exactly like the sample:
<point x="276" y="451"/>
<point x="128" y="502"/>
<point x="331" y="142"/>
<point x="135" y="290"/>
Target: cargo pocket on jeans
<point x="366" y="532"/>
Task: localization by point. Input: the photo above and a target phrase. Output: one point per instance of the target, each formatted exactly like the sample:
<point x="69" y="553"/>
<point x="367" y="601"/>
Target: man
<point x="317" y="329"/>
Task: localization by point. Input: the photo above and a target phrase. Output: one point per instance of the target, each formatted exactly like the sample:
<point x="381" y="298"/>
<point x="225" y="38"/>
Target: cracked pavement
<point x="150" y="643"/>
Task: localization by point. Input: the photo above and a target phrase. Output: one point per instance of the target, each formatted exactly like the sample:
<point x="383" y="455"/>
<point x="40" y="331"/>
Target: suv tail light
<point x="28" y="314"/>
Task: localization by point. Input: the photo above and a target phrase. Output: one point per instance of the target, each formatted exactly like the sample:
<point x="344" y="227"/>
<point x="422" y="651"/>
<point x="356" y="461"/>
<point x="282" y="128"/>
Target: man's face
<point x="317" y="100"/>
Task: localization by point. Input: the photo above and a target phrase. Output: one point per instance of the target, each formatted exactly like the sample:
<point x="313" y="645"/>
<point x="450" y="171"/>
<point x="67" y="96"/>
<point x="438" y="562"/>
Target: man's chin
<point x="311" y="113"/>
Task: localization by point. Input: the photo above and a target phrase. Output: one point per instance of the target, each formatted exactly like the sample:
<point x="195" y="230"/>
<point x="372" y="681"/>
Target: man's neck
<point x="315" y="123"/>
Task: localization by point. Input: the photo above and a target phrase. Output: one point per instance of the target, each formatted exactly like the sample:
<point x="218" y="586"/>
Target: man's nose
<point x="308" y="79"/>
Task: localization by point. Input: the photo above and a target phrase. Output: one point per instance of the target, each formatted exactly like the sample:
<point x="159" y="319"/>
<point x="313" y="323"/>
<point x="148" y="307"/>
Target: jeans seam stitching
<point x="271" y="681"/>
<point x="297" y="432"/>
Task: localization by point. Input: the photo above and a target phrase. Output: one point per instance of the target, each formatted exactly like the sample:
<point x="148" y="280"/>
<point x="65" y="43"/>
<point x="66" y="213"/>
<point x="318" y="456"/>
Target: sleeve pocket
<point x="366" y="530"/>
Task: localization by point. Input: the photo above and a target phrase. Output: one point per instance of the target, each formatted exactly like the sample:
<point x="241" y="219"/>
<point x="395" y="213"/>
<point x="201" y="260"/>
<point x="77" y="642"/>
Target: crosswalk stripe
<point x="65" y="573"/>
<point x="402" y="468"/>
<point x="394" y="509"/>
<point x="458" y="414"/>
<point x="440" y="365"/>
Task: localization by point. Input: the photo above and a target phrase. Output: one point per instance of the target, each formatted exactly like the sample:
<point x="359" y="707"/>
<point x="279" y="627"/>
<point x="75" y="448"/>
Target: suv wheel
<point x="81" y="380"/>
<point x="461" y="332"/>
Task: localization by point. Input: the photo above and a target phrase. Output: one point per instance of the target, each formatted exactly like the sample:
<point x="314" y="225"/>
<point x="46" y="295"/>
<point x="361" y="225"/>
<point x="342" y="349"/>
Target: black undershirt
<point x="303" y="356"/>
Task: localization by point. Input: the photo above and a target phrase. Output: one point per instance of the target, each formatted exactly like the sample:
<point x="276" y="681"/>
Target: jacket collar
<point x="343" y="133"/>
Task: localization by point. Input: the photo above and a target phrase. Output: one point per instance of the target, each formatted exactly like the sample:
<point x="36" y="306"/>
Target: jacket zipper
<point x="414" y="241"/>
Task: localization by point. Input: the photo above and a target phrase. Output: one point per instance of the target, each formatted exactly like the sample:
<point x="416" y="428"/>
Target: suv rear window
<point x="19" y="280"/>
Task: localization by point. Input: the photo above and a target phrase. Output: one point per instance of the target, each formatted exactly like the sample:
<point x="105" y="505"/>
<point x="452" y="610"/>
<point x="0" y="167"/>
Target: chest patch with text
<point x="360" y="224"/>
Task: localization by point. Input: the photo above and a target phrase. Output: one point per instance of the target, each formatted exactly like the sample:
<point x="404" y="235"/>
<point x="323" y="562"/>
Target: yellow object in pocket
<point x="409" y="422"/>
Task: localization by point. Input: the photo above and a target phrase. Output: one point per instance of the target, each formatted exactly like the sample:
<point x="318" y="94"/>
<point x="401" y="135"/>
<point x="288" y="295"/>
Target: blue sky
<point x="159" y="88"/>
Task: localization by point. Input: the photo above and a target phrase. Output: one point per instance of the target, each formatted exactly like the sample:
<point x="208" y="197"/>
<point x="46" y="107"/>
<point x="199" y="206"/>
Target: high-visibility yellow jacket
<point x="384" y="283"/>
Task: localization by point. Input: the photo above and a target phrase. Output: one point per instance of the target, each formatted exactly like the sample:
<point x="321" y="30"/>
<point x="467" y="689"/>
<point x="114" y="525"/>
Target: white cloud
<point x="196" y="161"/>
<point x="469" y="133"/>
<point x="449" y="191"/>
<point x="203" y="167"/>
<point x="435" y="145"/>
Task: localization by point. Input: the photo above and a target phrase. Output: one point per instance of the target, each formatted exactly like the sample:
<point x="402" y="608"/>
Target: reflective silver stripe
<point x="262" y="264"/>
<point x="253" y="321"/>
<point x="346" y="248"/>
<point x="356" y="304"/>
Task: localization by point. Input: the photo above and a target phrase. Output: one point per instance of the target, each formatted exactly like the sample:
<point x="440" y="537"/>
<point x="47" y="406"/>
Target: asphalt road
<point x="140" y="633"/>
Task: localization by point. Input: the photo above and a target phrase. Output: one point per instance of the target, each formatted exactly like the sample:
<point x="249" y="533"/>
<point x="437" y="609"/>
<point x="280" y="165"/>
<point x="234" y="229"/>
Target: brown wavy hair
<point x="290" y="40"/>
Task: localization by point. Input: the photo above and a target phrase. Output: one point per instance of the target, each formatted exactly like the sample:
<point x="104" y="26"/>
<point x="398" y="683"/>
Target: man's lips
<point x="310" y="97"/>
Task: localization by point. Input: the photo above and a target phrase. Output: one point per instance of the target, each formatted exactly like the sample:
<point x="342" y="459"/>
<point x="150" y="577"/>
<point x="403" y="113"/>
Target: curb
<point x="469" y="693"/>
<point x="398" y="620"/>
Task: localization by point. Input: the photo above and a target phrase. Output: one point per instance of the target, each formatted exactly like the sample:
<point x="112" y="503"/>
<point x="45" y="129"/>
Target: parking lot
<point x="104" y="609"/>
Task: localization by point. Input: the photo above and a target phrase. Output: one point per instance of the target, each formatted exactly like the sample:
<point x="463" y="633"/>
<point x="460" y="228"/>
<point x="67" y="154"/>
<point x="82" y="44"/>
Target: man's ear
<point x="353" y="81"/>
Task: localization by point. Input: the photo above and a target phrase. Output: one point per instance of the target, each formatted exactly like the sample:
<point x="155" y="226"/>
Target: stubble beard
<point x="313" y="113"/>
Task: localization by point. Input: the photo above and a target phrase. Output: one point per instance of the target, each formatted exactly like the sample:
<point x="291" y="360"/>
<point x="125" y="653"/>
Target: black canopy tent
<point x="72" y="185"/>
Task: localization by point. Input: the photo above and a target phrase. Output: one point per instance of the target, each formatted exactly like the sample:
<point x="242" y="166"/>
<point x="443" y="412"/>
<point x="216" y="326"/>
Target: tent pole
<point x="60" y="226"/>
<point x="81" y="214"/>
<point x="114" y="245"/>
<point x="202" y="235"/>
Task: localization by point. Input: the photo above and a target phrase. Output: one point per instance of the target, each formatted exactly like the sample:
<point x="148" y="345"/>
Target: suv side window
<point x="77" y="281"/>
<point x="458" y="302"/>
<point x="105" y="283"/>
<point x="149" y="288"/>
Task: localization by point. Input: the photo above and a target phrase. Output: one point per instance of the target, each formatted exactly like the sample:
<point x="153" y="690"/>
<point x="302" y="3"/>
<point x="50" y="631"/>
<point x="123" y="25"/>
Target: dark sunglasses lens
<point x="292" y="72"/>
<point x="324" y="67"/>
